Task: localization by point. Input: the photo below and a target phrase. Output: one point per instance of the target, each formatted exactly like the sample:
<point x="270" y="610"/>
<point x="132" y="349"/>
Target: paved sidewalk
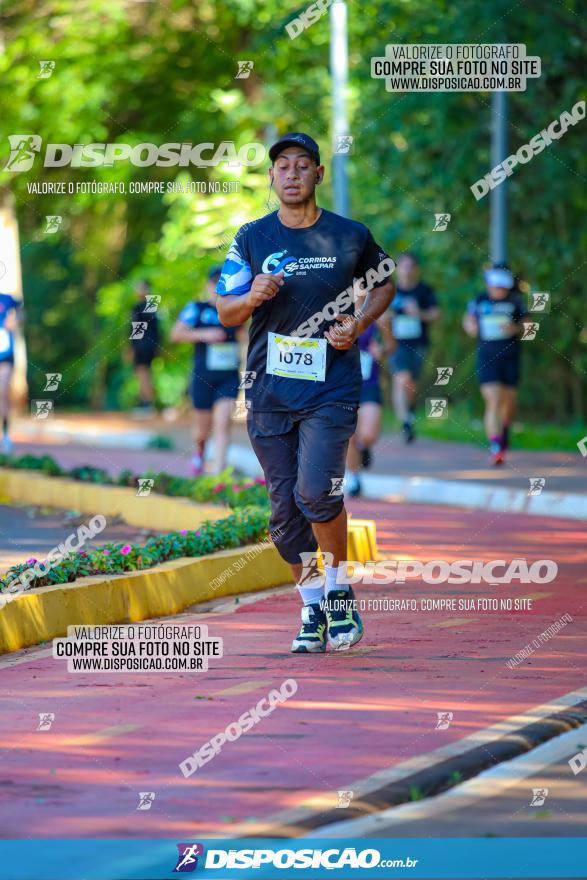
<point x="354" y="714"/>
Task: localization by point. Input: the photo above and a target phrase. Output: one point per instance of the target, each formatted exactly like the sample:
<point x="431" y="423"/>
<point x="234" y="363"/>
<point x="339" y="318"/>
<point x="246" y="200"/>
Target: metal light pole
<point x="498" y="203"/>
<point x="339" y="65"/>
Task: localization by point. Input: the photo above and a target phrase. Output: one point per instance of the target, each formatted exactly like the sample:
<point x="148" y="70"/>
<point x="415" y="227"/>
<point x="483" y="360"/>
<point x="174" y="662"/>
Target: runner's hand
<point x="264" y="288"/>
<point x="342" y="336"/>
<point x="410" y="307"/>
<point x="211" y="334"/>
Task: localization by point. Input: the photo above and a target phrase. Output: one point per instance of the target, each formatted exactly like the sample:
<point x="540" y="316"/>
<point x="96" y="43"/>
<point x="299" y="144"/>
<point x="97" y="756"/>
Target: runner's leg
<point x="222" y="422"/>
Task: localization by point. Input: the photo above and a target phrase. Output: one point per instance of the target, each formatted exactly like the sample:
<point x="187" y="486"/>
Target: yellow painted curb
<point x="43" y="613"/>
<point x="153" y="511"/>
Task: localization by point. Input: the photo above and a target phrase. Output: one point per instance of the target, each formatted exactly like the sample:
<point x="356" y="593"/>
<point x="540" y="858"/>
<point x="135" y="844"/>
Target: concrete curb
<point x="147" y="511"/>
<point x="453" y="493"/>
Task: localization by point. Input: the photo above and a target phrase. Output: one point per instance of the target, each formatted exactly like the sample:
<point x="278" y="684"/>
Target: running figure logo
<point x="536" y="485"/>
<point x="146" y="799"/>
<point x="539" y="302"/>
<point x="244" y="69"/>
<point x="152" y="301"/>
<point x="443" y="375"/>
<point x="539" y="795"/>
<point x="41" y="409"/>
<point x="47" y="68"/>
<point x="46" y="719"/>
<point x="52" y="223"/>
<point x="138" y="329"/>
<point x="247" y="379"/>
<point x="145" y="486"/>
<point x="337" y="487"/>
<point x="187" y="859"/>
<point x="437" y="408"/>
<point x="23" y="148"/>
<point x="343" y="145"/>
<point x="444" y="719"/>
<point x="441" y="222"/>
<point x="530" y="330"/>
<point x="310" y="568"/>
<point x="53" y="380"/>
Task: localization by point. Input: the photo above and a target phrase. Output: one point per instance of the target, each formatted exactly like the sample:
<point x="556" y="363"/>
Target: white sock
<point x="312" y="593"/>
<point x="331" y="573"/>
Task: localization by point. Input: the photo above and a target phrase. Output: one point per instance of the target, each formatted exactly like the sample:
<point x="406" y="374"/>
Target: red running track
<point x="353" y="714"/>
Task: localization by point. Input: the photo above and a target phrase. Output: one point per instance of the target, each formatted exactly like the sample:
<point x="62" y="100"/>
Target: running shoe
<point x="197" y="465"/>
<point x="366" y="457"/>
<point x="408" y="432"/>
<point x="345" y="627"/>
<point x="311" y="638"/>
<point x="352" y="485"/>
<point x="497" y="453"/>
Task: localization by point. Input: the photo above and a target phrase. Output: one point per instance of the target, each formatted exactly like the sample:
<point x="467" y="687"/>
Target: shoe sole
<point x="344" y="644"/>
<point x="302" y="649"/>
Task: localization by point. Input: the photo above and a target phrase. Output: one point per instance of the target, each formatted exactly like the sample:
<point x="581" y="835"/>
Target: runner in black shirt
<point x="215" y="377"/>
<point x="292" y="272"/>
<point x="413" y="308"/>
<point x="144" y="344"/>
<point x="495" y="318"/>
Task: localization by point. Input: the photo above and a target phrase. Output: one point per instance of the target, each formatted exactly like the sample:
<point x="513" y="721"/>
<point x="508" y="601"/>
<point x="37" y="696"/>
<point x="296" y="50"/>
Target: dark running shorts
<point x="206" y="390"/>
<point x="143" y="356"/>
<point x="408" y="358"/>
<point x="371" y="394"/>
<point x="303" y="457"/>
<point x="502" y="370"/>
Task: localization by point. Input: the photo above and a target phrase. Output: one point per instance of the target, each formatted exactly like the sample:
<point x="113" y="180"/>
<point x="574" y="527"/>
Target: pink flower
<point x="236" y="488"/>
<point x="31" y="561"/>
<point x="106" y="552"/>
<point x="124" y="551"/>
<point x="219" y="487"/>
<point x="260" y="482"/>
<point x="183" y="531"/>
<point x="198" y="534"/>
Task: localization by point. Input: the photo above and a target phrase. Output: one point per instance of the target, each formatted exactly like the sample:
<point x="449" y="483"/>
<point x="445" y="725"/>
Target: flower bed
<point x="246" y="525"/>
<point x="223" y="488"/>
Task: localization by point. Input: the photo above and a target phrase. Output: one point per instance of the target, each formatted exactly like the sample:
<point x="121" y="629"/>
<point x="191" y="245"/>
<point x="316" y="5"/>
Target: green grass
<point x="464" y="426"/>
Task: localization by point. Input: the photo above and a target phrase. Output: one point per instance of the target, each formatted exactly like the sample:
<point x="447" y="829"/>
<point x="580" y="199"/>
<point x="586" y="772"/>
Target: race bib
<point x="492" y="327"/>
<point x="4" y="340"/>
<point x="366" y="365"/>
<point x="222" y="356"/>
<point x="296" y="358"/>
<point x="407" y="327"/>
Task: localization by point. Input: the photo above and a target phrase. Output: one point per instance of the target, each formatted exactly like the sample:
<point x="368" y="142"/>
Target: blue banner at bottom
<point x="303" y="858"/>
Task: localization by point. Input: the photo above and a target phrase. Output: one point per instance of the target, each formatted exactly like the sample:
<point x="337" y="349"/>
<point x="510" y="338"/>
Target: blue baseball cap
<point x="295" y="139"/>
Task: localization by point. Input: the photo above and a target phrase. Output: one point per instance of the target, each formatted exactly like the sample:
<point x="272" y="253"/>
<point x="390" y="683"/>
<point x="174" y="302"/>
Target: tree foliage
<point x="131" y="72"/>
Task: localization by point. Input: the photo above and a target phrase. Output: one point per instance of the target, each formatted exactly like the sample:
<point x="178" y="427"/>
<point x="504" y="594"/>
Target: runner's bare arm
<point x="234" y="309"/>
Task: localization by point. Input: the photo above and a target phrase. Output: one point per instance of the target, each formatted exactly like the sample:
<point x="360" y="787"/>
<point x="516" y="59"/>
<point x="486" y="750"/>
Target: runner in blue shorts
<point x="292" y="272"/>
<point x="369" y="419"/>
<point x="494" y="317"/>
<point x="215" y="376"/>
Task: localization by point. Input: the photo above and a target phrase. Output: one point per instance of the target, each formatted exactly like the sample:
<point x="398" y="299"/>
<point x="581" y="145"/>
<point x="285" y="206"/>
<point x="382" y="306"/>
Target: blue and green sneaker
<point x="311" y="638"/>
<point x="345" y="627"/>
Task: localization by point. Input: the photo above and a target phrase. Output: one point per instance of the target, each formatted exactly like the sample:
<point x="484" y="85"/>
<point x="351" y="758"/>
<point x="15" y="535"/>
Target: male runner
<point x="413" y="308"/>
<point x="215" y="378"/>
<point x="369" y="419"/>
<point x="144" y="348"/>
<point x="495" y="318"/>
<point x="292" y="272"/>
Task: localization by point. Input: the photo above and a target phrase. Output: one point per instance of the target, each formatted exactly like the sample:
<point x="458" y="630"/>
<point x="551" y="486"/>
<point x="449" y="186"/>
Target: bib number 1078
<point x="295" y="357"/>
